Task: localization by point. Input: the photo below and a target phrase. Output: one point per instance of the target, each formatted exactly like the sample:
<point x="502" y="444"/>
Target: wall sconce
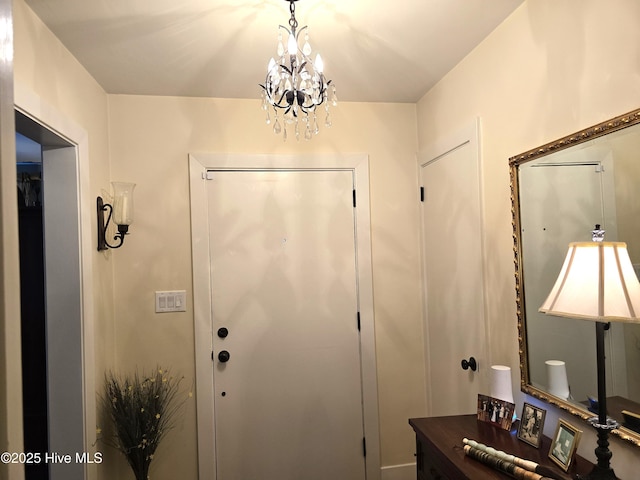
<point x="121" y="211"/>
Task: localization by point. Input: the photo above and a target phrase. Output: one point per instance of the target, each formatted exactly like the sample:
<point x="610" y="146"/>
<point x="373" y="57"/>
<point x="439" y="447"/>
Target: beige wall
<point x="552" y="68"/>
<point x="150" y="140"/>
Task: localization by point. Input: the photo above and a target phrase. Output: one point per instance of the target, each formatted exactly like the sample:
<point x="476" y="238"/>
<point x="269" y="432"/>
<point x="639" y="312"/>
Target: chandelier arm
<point x="299" y="32"/>
<point x="270" y="90"/>
<point x="306" y="110"/>
<point x="310" y="106"/>
<point x="268" y="87"/>
<point x="279" y="102"/>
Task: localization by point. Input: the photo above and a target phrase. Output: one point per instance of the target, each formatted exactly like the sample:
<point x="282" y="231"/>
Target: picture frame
<point x="495" y="411"/>
<point x="531" y="425"/>
<point x="564" y="444"/>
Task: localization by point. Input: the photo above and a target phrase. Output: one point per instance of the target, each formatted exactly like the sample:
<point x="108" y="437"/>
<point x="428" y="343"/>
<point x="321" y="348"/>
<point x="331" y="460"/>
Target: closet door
<point x="453" y="273"/>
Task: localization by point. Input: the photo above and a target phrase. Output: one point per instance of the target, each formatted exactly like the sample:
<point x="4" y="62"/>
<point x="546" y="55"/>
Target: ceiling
<point x="373" y="50"/>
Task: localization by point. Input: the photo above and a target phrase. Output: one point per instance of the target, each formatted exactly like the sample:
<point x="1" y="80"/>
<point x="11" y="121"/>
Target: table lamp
<point x="598" y="283"/>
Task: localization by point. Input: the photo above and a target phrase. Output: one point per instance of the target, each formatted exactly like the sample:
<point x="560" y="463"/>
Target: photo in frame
<point x="564" y="444"/>
<point x="531" y="425"/>
<point x="495" y="411"/>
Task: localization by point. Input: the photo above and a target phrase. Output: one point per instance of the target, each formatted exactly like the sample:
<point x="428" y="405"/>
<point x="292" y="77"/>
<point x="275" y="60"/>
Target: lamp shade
<point x="597" y="282"/>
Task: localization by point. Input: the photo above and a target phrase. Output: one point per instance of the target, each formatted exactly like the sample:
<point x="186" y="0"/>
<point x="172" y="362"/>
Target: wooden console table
<point x="440" y="454"/>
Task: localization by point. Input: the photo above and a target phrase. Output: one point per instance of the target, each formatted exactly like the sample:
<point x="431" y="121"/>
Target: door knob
<point x="223" y="332"/>
<point x="224" y="356"/>
<point x="469" y="364"/>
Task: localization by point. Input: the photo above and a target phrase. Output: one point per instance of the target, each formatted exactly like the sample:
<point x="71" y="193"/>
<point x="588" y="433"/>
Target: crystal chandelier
<point x="296" y="85"/>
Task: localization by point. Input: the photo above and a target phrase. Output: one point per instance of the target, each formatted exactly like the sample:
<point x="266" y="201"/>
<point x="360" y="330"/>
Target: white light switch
<point x="171" y="301"/>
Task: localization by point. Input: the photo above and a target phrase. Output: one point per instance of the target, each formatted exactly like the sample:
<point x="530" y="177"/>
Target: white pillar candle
<point x="558" y="384"/>
<point x="123" y="202"/>
<point x="500" y="386"/>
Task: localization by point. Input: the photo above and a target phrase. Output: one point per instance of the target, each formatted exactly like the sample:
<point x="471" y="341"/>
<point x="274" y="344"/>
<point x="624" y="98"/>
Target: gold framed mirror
<point x="559" y="192"/>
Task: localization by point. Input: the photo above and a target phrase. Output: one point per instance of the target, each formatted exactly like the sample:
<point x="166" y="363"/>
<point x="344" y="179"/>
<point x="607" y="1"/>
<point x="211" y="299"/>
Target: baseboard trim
<point x="399" y="472"/>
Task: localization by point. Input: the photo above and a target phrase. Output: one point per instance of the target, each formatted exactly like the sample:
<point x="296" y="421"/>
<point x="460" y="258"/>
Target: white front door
<point x="453" y="273"/>
<point x="288" y="357"/>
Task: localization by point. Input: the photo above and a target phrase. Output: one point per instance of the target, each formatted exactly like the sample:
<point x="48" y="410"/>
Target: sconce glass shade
<point x="597" y="282"/>
<point x="123" y="202"/>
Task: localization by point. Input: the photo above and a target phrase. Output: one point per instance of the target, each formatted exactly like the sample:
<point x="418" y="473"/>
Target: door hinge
<point x="354" y="198"/>
<point x="358" y="317"/>
<point x="422" y="194"/>
<point x="364" y="446"/>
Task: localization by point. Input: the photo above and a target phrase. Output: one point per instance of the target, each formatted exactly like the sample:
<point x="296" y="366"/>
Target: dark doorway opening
<point x="32" y="305"/>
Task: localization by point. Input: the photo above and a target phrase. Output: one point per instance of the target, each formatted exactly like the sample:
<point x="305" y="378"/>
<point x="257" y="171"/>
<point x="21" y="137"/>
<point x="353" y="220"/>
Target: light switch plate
<point x="171" y="301"/>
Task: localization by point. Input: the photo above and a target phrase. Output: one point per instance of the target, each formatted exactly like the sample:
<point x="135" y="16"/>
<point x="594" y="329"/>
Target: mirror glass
<point x="560" y="192"/>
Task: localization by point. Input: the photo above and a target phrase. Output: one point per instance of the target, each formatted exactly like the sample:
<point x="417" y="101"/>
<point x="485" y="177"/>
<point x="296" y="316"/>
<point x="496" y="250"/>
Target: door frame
<point x="198" y="165"/>
<point x="68" y="218"/>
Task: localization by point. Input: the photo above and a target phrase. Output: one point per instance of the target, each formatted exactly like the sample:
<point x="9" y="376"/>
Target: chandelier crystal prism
<point x="295" y="85"/>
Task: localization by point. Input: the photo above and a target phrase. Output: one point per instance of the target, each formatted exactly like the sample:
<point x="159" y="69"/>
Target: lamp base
<point x="598" y="473"/>
<point x="602" y="471"/>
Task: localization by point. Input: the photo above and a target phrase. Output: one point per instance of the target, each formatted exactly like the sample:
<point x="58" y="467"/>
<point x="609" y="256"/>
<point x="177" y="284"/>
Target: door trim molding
<point x="199" y="163"/>
<point x="72" y="161"/>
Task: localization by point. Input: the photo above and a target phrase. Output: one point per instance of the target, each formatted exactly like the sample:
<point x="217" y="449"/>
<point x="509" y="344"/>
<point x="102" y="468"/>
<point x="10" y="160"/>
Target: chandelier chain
<point x="293" y="23"/>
